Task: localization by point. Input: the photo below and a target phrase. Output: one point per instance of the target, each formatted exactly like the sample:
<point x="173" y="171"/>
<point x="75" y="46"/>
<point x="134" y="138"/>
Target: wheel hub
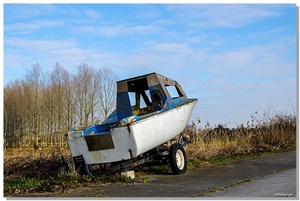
<point x="180" y="159"/>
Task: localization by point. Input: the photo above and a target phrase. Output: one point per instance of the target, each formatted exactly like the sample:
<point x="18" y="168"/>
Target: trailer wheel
<point x="177" y="158"/>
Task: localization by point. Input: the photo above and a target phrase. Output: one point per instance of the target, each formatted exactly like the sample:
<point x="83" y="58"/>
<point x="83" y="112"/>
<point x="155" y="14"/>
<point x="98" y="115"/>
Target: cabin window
<point x="137" y="99"/>
<point x="132" y="98"/>
<point x="173" y="91"/>
<point x="143" y="103"/>
<point x="139" y="96"/>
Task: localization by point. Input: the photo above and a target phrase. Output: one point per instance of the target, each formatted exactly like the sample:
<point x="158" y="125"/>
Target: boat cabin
<point x="146" y="94"/>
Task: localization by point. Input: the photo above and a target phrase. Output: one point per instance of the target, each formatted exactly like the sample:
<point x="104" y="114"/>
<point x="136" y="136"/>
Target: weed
<point x="100" y="195"/>
<point x="21" y="184"/>
<point x="126" y="179"/>
<point x="144" y="180"/>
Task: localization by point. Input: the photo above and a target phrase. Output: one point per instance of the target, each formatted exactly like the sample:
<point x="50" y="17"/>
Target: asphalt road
<point x="255" y="172"/>
<point x="268" y="176"/>
<point x="282" y="184"/>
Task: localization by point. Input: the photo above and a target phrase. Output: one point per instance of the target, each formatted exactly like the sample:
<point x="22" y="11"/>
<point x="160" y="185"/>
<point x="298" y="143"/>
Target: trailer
<point x="145" y="128"/>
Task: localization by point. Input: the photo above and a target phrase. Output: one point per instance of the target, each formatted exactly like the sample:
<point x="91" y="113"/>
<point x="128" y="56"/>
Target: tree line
<point x="43" y="106"/>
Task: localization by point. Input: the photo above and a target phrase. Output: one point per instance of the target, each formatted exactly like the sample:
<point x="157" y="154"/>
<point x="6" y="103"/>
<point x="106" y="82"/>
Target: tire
<point x="177" y="159"/>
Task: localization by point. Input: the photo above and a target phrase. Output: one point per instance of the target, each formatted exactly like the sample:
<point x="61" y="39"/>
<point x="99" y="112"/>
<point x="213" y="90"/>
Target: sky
<point x="235" y="58"/>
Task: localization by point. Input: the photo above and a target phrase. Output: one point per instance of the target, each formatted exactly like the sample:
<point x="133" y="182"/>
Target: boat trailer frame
<point x="157" y="156"/>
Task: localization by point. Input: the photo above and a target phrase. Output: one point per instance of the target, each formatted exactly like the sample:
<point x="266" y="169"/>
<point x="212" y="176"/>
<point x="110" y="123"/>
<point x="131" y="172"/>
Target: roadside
<point x="212" y="179"/>
<point x="280" y="184"/>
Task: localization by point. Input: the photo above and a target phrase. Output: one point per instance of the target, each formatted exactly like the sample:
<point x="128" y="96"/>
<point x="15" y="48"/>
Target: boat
<point x="151" y="110"/>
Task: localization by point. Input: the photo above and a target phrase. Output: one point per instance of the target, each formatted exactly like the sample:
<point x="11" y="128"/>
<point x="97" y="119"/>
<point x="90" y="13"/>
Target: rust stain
<point x="97" y="156"/>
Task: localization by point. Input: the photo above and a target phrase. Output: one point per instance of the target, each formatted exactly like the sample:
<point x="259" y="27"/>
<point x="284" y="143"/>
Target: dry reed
<point x="268" y="132"/>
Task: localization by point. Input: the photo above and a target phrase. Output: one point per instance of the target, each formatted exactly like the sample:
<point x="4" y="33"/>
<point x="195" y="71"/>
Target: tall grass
<point x="31" y="163"/>
<point x="266" y="132"/>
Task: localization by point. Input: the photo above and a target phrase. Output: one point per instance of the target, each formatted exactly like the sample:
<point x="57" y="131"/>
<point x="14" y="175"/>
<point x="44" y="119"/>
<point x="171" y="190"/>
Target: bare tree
<point x="69" y="100"/>
<point x="12" y="118"/>
<point x="47" y="105"/>
<point x="57" y="80"/>
<point x="107" y="92"/>
<point x="95" y="93"/>
<point x="34" y="78"/>
<point x="86" y="83"/>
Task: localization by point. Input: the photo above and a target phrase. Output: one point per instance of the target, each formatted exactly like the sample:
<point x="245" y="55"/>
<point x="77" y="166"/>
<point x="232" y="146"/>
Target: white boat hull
<point x="137" y="137"/>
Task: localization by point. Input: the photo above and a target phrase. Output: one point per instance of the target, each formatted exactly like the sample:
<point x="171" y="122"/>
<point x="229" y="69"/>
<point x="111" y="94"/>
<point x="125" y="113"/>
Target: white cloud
<point x="70" y="58"/>
<point x="146" y="12"/>
<point x="12" y="58"/>
<point x="163" y="56"/>
<point x="74" y="53"/>
<point x="28" y="11"/>
<point x="37" y="45"/>
<point x="229" y="61"/>
<point x="85" y="30"/>
<point x="266" y="33"/>
<point x="91" y="14"/>
<point x="222" y="15"/>
<point x="170" y="48"/>
<point x="122" y="30"/>
<point x="262" y="62"/>
<point x="164" y="22"/>
<point x="33" y="25"/>
<point x="110" y="30"/>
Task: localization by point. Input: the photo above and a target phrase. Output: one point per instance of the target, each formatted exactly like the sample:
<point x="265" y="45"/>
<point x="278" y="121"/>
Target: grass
<point x="29" y="170"/>
<point x="271" y="133"/>
<point x="19" y="185"/>
<point x="59" y="183"/>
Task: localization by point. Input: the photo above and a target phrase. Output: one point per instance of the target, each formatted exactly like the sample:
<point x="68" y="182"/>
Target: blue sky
<point x="235" y="58"/>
